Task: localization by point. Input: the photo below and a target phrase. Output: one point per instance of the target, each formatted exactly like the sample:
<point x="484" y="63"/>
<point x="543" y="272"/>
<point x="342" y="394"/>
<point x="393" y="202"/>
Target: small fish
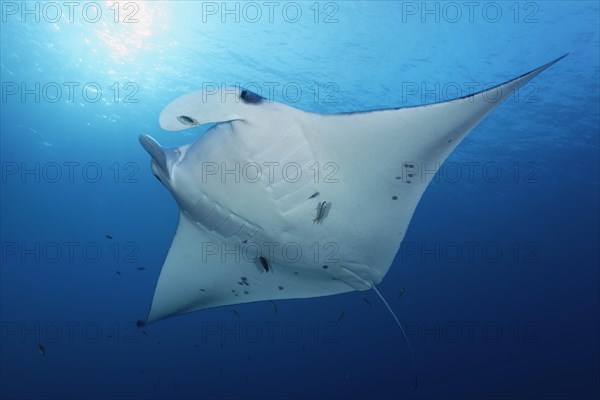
<point x="401" y="293"/>
<point x="41" y="349"/>
<point x="303" y="348"/>
<point x="314" y="195"/>
<point x="235" y="313"/>
<point x="322" y="209"/>
<point x="108" y="237"/>
<point x="340" y="317"/>
<point x="196" y="346"/>
<point x="109" y="336"/>
<point x="264" y="263"/>
<point x="118" y="273"/>
<point x="141" y="268"/>
<point x="144" y="333"/>
<point x="366" y="301"/>
<point x="274" y="306"/>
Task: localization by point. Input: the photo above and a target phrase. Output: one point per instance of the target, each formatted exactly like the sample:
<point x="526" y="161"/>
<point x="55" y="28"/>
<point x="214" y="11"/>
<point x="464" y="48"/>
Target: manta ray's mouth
<point x="155" y="150"/>
<point x="160" y="165"/>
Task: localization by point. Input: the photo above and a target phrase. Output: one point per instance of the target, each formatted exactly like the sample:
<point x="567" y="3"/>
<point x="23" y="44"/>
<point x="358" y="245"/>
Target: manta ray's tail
<point x="412" y="354"/>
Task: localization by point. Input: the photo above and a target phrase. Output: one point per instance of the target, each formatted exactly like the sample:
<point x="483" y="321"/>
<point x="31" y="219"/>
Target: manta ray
<point x="280" y="203"/>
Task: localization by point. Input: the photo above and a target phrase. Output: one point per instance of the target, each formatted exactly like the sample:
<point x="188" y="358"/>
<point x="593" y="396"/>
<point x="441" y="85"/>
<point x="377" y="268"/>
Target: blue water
<point x="500" y="274"/>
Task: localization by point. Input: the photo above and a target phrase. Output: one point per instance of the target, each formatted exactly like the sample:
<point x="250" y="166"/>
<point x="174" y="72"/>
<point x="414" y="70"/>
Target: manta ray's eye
<point x="250" y="97"/>
<point x="184" y="119"/>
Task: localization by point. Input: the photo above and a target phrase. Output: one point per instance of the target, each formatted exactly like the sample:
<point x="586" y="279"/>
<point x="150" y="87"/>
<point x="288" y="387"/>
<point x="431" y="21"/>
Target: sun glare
<point x="131" y="29"/>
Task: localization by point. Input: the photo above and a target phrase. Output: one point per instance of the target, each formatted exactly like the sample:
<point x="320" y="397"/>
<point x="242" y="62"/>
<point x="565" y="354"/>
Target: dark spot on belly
<point x="264" y="263"/>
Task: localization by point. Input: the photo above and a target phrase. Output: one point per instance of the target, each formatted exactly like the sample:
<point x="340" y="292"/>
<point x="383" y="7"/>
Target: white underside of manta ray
<point x="280" y="203"/>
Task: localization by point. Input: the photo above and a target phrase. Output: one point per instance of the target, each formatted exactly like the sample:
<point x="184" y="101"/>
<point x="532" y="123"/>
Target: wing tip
<point x="151" y="318"/>
<point x="545" y="66"/>
<point x="519" y="81"/>
<point x="531" y="73"/>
